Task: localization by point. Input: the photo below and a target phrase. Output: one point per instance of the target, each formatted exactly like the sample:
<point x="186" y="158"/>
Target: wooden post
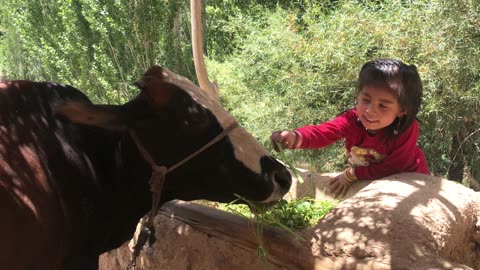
<point x="197" y="47"/>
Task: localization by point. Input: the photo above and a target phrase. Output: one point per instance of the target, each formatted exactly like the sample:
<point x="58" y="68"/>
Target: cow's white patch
<point x="246" y="148"/>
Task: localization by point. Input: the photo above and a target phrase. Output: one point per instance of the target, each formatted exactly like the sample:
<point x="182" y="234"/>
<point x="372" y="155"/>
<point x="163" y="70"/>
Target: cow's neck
<point x="125" y="188"/>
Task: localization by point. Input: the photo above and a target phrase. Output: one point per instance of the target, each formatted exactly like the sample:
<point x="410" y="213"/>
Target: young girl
<point x="380" y="133"/>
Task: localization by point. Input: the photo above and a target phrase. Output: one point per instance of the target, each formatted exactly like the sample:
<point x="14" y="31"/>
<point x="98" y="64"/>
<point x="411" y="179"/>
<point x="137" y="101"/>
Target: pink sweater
<point x="370" y="156"/>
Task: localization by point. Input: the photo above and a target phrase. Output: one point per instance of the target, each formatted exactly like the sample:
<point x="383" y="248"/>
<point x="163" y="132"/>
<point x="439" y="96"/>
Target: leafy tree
<point x="299" y="67"/>
<point x="100" y="46"/>
<point x="280" y="64"/>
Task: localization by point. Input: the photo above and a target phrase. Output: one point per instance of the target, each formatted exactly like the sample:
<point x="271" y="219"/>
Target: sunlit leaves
<point x="299" y="66"/>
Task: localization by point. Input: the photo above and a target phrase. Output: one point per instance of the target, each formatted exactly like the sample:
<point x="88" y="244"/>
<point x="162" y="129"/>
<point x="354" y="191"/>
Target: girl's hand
<point x="288" y="139"/>
<point x="339" y="185"/>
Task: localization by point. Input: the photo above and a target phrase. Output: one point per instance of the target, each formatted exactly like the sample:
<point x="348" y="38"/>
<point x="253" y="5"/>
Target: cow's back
<point x="33" y="225"/>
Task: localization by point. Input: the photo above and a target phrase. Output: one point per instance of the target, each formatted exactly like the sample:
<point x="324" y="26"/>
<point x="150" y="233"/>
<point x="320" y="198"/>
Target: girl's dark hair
<point x="403" y="81"/>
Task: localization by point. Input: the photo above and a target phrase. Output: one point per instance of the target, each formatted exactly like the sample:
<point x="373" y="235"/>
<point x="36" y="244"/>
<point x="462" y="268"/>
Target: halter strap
<point x="146" y="155"/>
<point x="157" y="179"/>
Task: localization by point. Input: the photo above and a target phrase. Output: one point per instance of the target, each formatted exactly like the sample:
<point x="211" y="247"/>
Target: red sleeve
<point x="318" y="136"/>
<point x="401" y="158"/>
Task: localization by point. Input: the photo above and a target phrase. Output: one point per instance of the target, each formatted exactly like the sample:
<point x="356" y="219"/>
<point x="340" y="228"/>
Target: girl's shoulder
<point x="348" y="119"/>
<point x="409" y="135"/>
<point x="413" y="128"/>
<point x="349" y="114"/>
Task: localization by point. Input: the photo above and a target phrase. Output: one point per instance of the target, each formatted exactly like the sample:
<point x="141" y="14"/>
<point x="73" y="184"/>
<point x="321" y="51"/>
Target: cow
<point x="74" y="176"/>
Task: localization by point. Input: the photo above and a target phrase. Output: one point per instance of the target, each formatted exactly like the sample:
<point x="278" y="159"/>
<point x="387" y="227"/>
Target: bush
<point x="295" y="68"/>
<point x="101" y="47"/>
<point x="280" y="64"/>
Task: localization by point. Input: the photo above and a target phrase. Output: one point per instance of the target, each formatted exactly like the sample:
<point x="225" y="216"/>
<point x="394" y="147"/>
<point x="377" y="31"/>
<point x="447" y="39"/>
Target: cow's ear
<point x="160" y="94"/>
<point x="104" y="116"/>
<point x="156" y="90"/>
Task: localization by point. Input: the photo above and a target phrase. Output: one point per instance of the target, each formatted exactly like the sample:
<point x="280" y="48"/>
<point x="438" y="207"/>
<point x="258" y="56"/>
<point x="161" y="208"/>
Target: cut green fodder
<point x="291" y="215"/>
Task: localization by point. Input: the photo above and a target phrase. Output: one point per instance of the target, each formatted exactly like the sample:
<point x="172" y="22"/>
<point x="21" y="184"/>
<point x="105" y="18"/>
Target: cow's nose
<point x="283" y="179"/>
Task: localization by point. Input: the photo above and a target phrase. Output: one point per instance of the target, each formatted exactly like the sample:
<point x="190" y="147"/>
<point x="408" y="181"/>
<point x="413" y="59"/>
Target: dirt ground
<point x="406" y="221"/>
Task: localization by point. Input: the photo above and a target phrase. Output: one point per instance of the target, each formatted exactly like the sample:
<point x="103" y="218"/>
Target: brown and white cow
<point x="73" y="184"/>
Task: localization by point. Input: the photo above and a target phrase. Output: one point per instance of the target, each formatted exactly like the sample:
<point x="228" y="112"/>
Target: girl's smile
<point x="378" y="107"/>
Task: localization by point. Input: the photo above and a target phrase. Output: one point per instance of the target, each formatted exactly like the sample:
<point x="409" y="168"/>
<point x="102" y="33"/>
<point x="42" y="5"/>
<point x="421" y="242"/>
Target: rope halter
<point x="157" y="179"/>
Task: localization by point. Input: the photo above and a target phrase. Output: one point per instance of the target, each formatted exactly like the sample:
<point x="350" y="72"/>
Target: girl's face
<point x="378" y="107"/>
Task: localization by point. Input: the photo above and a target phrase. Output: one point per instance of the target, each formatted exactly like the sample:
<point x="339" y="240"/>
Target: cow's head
<point x="173" y="118"/>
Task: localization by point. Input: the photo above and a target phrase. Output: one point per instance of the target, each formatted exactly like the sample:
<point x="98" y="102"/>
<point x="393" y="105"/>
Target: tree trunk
<point x="455" y="171"/>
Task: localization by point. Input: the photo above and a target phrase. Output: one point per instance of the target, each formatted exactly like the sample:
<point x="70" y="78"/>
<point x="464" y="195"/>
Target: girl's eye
<point x="365" y="100"/>
<point x="383" y="106"/>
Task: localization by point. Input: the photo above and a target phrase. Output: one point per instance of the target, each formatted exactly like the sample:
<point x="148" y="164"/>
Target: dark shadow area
<point x="27" y="194"/>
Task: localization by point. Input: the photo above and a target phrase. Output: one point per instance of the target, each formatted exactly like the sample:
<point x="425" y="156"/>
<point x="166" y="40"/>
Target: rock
<point x="405" y="221"/>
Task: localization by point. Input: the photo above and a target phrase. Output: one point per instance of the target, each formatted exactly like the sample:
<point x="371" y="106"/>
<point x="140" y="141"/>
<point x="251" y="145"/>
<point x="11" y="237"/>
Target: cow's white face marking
<point x="246" y="148"/>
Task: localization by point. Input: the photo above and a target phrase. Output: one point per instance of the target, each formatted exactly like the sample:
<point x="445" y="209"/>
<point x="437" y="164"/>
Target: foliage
<point x="99" y="46"/>
<point x="280" y="64"/>
<point x="298" y="67"/>
<point x="224" y="37"/>
<point x="294" y="214"/>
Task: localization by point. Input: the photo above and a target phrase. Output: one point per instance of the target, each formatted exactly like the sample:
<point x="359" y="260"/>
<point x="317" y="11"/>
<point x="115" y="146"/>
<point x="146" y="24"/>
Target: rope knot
<point x="157" y="178"/>
<point x="157" y="168"/>
<point x="156" y="183"/>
